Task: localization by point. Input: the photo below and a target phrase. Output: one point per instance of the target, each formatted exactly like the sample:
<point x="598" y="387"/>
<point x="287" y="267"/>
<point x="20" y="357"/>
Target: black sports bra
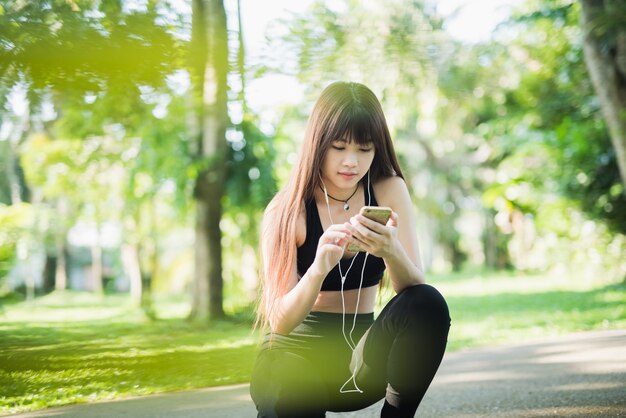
<point x="374" y="268"/>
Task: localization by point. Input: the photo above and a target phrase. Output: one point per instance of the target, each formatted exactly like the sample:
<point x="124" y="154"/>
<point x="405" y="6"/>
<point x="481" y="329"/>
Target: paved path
<point x="579" y="375"/>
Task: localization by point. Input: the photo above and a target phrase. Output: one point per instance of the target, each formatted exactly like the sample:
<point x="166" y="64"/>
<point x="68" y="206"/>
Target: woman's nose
<point x="350" y="160"/>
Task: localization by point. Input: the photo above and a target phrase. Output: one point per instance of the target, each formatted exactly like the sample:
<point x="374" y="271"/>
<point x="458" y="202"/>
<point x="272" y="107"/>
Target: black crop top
<point x="374" y="268"/>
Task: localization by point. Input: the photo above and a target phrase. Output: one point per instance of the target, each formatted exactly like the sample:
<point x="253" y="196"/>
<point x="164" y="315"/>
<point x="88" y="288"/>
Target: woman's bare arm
<point x="291" y="308"/>
<point x="403" y="263"/>
<point x="395" y="242"/>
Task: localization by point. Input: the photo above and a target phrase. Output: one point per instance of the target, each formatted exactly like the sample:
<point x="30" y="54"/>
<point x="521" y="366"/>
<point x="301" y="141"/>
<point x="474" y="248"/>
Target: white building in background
<point x="82" y="238"/>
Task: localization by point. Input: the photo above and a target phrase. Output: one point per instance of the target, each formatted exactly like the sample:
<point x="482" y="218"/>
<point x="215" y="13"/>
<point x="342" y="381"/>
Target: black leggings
<point x="300" y="375"/>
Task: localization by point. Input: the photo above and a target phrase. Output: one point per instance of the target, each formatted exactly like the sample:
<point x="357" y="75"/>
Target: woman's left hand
<point x="377" y="239"/>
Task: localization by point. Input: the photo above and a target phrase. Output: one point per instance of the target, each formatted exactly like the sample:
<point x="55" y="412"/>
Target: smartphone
<point x="380" y="214"/>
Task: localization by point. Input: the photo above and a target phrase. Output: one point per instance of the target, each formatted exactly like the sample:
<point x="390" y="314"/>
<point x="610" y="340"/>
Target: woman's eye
<point x="338" y="148"/>
<point x="366" y="149"/>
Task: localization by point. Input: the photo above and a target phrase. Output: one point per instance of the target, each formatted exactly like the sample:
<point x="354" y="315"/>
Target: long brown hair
<point x="344" y="110"/>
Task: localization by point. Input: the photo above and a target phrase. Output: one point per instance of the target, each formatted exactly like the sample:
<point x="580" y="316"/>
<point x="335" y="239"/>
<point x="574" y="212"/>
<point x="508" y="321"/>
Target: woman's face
<point x="346" y="162"/>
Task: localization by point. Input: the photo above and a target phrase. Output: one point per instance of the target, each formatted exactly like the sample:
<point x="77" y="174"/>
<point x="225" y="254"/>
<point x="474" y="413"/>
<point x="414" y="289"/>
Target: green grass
<point x="499" y="308"/>
<point x="76" y="347"/>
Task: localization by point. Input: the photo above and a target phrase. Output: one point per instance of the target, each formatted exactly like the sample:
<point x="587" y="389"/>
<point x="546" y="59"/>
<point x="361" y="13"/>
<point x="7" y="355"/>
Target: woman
<point x="324" y="351"/>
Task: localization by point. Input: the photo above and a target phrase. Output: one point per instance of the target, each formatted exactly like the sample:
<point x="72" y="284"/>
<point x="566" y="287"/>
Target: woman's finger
<point x="370" y="224"/>
<point x="393" y="220"/>
<point x="337" y="228"/>
<point x="359" y="232"/>
<point x="336" y="237"/>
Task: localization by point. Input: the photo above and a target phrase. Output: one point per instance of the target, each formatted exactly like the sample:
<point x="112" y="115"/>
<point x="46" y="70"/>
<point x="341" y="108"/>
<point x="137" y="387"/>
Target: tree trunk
<point x="13" y="180"/>
<point x="130" y="261"/>
<point x="607" y="68"/>
<point x="241" y="62"/>
<point x="60" y="243"/>
<point x="15" y="177"/>
<point x="152" y="262"/>
<point x="60" y="274"/>
<point x="96" y="267"/>
<point x="495" y="244"/>
<point x="97" y="263"/>
<point x="209" y="72"/>
<point x="49" y="268"/>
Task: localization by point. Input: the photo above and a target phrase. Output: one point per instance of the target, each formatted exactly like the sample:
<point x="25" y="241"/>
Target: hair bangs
<point x="354" y="124"/>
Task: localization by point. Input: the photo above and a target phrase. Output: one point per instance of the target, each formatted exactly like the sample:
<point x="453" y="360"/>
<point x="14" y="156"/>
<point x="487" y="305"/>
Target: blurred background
<point x="140" y="141"/>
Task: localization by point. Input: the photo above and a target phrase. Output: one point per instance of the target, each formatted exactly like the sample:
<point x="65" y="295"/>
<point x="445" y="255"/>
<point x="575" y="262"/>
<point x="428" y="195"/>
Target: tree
<point x="209" y="70"/>
<point x="92" y="61"/>
<point x="103" y="66"/>
<point x="604" y="27"/>
<point x="551" y="159"/>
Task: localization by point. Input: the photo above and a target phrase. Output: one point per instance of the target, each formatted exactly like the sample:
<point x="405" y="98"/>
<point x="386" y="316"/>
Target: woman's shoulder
<point x="272" y="215"/>
<point x="391" y="181"/>
<point x="274" y="204"/>
<point x="389" y="190"/>
<point x="277" y="205"/>
<point x="390" y="186"/>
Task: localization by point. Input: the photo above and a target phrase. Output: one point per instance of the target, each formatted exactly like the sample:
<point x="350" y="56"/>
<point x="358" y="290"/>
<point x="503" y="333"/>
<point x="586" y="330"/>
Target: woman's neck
<point x="336" y="192"/>
<point x="339" y="207"/>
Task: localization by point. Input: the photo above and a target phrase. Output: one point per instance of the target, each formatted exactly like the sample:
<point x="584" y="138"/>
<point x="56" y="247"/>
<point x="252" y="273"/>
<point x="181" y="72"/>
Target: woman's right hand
<point x="330" y="248"/>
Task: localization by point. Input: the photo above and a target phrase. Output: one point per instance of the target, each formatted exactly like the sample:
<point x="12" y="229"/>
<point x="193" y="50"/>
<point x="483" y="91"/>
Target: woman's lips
<point x="348" y="176"/>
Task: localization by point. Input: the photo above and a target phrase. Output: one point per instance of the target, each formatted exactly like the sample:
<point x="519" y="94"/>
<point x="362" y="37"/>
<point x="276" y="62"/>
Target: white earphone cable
<point x="349" y="340"/>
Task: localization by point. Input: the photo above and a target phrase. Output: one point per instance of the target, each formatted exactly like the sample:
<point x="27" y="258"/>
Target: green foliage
<point x="119" y="146"/>
<point x="5" y="164"/>
<point x="555" y="105"/>
<point x="117" y="136"/>
<point x="54" y="166"/>
<point x="529" y="117"/>
<point x="391" y="53"/>
<point x="161" y="155"/>
<point x="15" y="223"/>
<point x="251" y="182"/>
<point x="79" y="47"/>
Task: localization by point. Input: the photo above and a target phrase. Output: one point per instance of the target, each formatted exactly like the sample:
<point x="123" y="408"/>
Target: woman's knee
<point x="425" y="300"/>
